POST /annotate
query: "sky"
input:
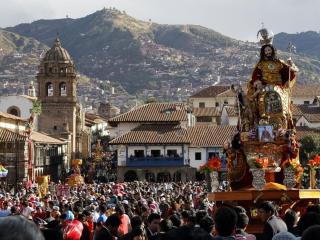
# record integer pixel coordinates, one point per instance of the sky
(239, 19)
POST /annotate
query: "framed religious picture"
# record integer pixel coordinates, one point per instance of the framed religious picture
(244, 136)
(265, 133)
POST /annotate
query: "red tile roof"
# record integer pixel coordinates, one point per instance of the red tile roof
(44, 138)
(92, 119)
(312, 118)
(210, 136)
(197, 136)
(9, 136)
(10, 116)
(231, 111)
(211, 91)
(306, 131)
(296, 110)
(206, 112)
(310, 112)
(154, 134)
(154, 112)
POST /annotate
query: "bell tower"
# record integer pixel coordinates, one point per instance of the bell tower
(57, 93)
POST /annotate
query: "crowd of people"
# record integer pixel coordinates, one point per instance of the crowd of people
(144, 211)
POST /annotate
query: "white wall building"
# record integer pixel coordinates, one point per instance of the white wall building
(19, 105)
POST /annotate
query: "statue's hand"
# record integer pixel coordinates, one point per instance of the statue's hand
(292, 65)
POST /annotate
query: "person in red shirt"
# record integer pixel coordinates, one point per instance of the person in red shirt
(125, 225)
(89, 222)
(39, 213)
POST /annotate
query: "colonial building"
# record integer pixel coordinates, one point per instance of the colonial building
(229, 116)
(211, 97)
(307, 115)
(24, 159)
(154, 152)
(151, 138)
(20, 105)
(161, 142)
(206, 142)
(61, 117)
(207, 116)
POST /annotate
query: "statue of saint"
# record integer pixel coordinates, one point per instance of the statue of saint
(269, 89)
(271, 70)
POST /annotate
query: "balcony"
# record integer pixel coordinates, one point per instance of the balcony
(155, 162)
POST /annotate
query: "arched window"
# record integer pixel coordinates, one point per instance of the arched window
(13, 110)
(63, 89)
(49, 89)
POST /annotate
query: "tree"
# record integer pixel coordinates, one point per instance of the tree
(310, 146)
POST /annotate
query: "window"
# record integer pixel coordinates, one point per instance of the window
(294, 121)
(63, 89)
(202, 105)
(49, 89)
(14, 111)
(139, 153)
(204, 119)
(217, 104)
(198, 156)
(155, 153)
(306, 102)
(213, 154)
(172, 152)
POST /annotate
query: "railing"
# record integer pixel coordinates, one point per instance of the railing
(155, 161)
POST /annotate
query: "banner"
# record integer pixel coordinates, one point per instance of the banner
(43, 184)
(3, 171)
(63, 190)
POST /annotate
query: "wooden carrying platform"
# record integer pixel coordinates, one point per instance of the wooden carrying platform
(271, 195)
(251, 198)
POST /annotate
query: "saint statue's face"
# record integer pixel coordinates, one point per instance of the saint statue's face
(268, 52)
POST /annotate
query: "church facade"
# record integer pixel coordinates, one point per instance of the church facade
(62, 117)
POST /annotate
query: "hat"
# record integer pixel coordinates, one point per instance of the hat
(284, 236)
(125, 202)
(55, 208)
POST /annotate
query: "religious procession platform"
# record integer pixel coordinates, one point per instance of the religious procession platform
(255, 195)
(250, 199)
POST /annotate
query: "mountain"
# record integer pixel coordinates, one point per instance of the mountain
(11, 42)
(307, 43)
(110, 45)
(19, 59)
